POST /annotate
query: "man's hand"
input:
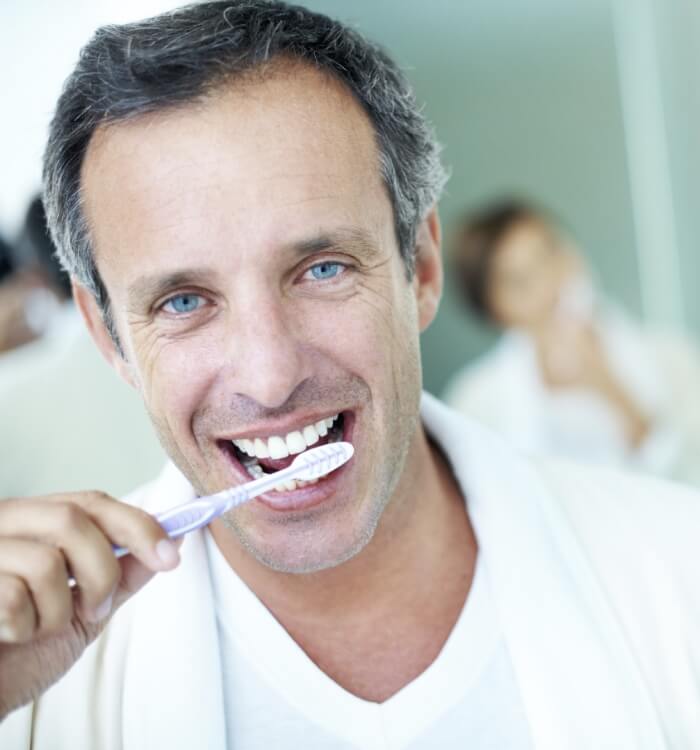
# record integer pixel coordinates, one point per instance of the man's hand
(44, 624)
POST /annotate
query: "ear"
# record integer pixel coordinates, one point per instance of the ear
(92, 315)
(428, 276)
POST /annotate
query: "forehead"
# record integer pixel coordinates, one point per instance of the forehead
(252, 162)
(523, 244)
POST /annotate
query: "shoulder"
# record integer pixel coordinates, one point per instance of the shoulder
(592, 493)
(639, 538)
(630, 525)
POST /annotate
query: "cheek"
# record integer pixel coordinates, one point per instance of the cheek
(366, 334)
(175, 375)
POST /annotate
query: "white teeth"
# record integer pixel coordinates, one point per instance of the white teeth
(310, 435)
(277, 447)
(295, 442)
(287, 486)
(261, 450)
(292, 484)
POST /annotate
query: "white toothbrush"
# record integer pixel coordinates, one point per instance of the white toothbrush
(311, 464)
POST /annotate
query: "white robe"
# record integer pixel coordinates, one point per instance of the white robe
(595, 576)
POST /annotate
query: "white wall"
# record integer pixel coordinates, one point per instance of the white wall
(39, 44)
(525, 94)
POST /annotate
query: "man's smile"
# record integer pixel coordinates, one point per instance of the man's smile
(261, 453)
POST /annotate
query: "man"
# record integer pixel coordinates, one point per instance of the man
(245, 196)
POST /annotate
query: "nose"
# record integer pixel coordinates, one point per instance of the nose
(269, 357)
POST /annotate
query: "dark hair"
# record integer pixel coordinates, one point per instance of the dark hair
(478, 237)
(6, 265)
(179, 57)
(34, 248)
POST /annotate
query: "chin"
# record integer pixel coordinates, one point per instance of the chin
(300, 548)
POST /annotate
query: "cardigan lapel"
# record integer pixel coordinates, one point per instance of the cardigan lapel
(577, 675)
(173, 696)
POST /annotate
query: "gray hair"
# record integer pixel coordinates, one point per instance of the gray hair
(178, 57)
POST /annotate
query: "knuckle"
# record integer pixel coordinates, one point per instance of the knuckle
(50, 565)
(13, 598)
(95, 499)
(68, 516)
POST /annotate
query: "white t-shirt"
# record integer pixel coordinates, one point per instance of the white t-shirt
(276, 697)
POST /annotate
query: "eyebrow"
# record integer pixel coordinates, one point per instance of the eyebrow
(356, 239)
(148, 288)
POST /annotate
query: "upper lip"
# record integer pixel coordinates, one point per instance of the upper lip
(280, 427)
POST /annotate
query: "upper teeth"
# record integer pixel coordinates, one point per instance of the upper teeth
(293, 442)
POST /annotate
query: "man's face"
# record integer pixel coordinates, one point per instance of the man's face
(248, 249)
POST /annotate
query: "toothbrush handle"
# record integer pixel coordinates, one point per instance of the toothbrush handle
(182, 519)
(178, 521)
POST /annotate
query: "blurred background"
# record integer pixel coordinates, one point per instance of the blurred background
(588, 108)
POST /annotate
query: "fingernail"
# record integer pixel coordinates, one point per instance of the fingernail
(167, 552)
(7, 634)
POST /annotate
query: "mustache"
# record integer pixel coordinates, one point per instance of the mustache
(332, 394)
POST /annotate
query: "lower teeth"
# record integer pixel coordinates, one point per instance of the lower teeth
(256, 471)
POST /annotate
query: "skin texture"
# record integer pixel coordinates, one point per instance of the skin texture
(239, 198)
(44, 625)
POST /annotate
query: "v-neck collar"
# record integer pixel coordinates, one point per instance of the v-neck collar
(394, 723)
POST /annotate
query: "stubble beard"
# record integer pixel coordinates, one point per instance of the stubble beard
(311, 547)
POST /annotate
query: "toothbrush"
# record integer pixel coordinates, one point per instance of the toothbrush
(311, 464)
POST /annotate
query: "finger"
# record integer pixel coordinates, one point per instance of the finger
(132, 528)
(42, 568)
(17, 614)
(58, 518)
(68, 528)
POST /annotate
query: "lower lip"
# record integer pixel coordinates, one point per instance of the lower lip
(312, 495)
(305, 498)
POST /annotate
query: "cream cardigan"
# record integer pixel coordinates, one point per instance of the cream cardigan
(596, 576)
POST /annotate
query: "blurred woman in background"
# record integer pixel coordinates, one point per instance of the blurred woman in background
(572, 374)
(34, 290)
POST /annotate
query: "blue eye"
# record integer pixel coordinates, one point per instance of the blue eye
(183, 303)
(327, 270)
